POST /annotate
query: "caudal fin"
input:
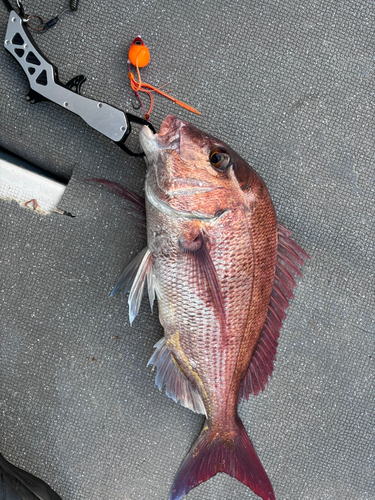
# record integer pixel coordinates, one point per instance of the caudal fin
(212, 454)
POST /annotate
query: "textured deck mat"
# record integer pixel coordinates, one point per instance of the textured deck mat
(290, 86)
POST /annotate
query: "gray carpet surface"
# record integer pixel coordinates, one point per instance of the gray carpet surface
(290, 86)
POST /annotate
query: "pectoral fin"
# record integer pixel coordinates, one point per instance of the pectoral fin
(199, 260)
(133, 280)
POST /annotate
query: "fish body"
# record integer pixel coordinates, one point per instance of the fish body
(212, 235)
(211, 345)
(223, 271)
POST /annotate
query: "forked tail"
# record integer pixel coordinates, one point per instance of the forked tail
(213, 453)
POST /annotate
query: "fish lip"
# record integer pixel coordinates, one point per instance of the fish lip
(168, 136)
(190, 191)
(147, 138)
(147, 132)
(171, 124)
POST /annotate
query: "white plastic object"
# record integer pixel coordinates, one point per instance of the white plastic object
(22, 182)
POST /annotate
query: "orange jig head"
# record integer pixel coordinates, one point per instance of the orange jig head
(139, 57)
(138, 53)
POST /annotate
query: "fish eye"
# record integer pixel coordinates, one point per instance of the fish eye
(220, 159)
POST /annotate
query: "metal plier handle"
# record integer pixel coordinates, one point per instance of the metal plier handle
(45, 85)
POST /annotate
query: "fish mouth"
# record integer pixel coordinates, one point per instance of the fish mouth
(170, 131)
(168, 136)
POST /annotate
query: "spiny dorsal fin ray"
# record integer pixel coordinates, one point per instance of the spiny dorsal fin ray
(290, 258)
(177, 387)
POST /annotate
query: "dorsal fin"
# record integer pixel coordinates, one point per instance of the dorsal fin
(290, 258)
(177, 387)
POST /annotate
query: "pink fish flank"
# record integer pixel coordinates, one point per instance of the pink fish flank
(223, 271)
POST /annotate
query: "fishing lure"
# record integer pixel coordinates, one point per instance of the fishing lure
(139, 57)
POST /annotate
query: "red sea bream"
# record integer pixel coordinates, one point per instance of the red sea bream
(223, 271)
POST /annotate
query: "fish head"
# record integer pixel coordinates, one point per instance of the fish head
(193, 174)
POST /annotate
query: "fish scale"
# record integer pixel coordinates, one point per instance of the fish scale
(200, 336)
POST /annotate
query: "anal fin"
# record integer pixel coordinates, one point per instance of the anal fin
(177, 387)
